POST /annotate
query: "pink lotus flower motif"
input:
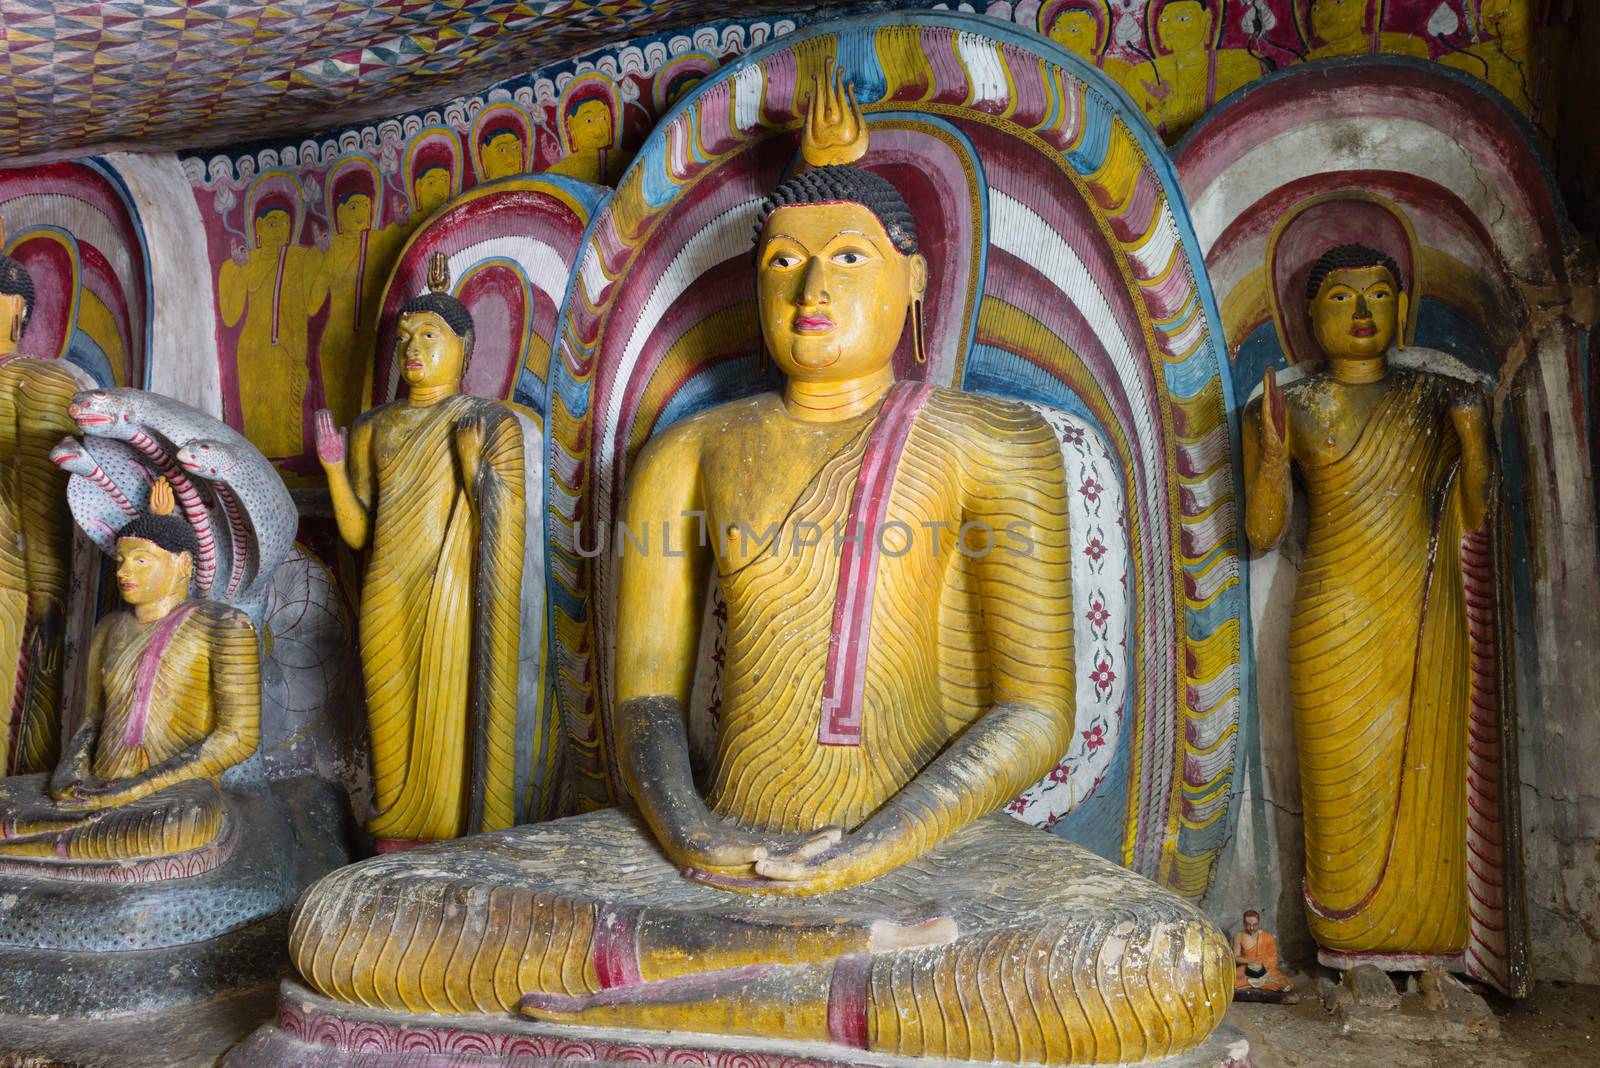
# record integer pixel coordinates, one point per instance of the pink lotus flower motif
(1097, 614)
(1091, 490)
(1062, 773)
(1102, 676)
(1072, 435)
(1019, 805)
(1094, 737)
(1095, 549)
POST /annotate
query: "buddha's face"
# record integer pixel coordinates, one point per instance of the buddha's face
(1077, 31)
(1184, 26)
(432, 189)
(431, 354)
(833, 291)
(272, 229)
(1335, 20)
(353, 214)
(1357, 313)
(589, 127)
(146, 572)
(502, 155)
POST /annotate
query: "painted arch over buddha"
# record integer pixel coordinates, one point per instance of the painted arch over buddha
(1062, 273)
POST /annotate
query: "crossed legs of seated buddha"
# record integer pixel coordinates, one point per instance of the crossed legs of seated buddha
(1016, 946)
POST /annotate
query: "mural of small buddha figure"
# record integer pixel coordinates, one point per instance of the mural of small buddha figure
(1084, 27)
(1504, 56)
(433, 168)
(270, 292)
(354, 267)
(1188, 73)
(430, 192)
(1349, 28)
(500, 147)
(35, 534)
(432, 486)
(588, 137)
(854, 780)
(173, 700)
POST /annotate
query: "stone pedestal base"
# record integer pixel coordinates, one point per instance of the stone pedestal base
(314, 1032)
(138, 937)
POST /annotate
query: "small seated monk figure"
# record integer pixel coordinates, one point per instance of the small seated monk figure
(846, 876)
(173, 701)
(1255, 963)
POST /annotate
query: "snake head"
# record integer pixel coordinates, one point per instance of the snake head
(206, 459)
(71, 456)
(102, 412)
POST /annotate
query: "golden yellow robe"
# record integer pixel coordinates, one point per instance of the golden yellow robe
(35, 552)
(350, 279)
(171, 705)
(1380, 676)
(274, 294)
(440, 615)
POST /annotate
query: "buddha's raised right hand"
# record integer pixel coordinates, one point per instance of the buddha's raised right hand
(330, 439)
(1274, 423)
(1266, 465)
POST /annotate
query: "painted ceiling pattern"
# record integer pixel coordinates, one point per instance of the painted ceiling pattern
(163, 74)
(196, 75)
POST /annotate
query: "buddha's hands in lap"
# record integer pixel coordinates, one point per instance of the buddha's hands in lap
(707, 844)
(821, 863)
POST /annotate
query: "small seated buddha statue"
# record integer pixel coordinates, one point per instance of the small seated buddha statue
(173, 701)
(846, 876)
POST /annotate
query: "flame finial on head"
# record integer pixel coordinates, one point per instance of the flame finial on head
(438, 273)
(834, 132)
(161, 499)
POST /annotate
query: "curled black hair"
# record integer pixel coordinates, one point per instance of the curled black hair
(170, 532)
(452, 311)
(1348, 258)
(834, 184)
(16, 281)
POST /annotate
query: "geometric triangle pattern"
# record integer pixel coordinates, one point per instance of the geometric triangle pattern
(167, 74)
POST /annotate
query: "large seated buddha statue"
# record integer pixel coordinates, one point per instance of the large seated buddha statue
(844, 876)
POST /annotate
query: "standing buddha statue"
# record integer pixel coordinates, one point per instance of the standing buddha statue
(35, 535)
(173, 700)
(1398, 471)
(433, 485)
(847, 875)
